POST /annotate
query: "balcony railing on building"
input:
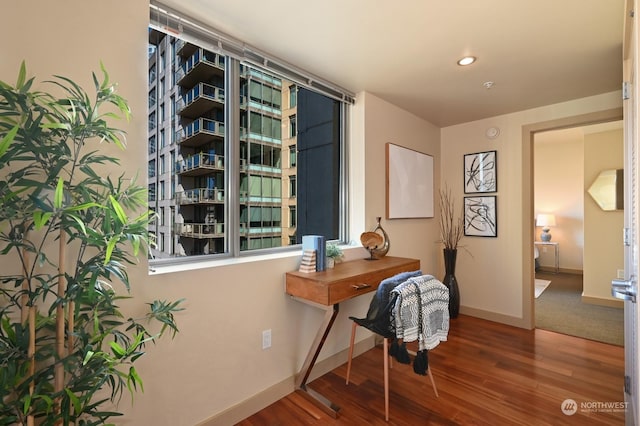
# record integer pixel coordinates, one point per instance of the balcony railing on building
(183, 48)
(264, 231)
(274, 111)
(200, 164)
(202, 65)
(199, 100)
(248, 72)
(216, 230)
(200, 196)
(244, 134)
(200, 230)
(200, 132)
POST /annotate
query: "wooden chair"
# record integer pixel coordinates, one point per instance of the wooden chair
(378, 320)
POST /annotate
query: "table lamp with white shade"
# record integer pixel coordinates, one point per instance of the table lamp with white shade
(545, 221)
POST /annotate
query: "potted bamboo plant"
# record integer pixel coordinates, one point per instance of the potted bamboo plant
(68, 230)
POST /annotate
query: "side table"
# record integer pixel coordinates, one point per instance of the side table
(556, 249)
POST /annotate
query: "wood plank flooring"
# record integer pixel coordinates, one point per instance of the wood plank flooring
(486, 373)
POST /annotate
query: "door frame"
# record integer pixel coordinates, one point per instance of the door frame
(528, 230)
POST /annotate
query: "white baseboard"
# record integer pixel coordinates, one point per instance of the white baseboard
(552, 269)
(492, 316)
(279, 390)
(612, 303)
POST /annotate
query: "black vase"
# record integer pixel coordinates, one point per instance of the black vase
(451, 282)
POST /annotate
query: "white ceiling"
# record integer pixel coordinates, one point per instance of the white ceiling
(536, 52)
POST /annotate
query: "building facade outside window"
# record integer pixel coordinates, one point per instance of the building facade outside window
(209, 156)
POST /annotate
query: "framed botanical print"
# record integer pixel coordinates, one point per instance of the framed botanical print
(481, 172)
(480, 216)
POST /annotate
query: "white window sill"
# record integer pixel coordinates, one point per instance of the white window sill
(159, 269)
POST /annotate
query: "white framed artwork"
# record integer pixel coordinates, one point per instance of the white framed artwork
(409, 183)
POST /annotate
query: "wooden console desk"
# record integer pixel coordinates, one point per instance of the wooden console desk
(325, 290)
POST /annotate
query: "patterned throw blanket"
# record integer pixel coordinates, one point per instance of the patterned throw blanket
(434, 306)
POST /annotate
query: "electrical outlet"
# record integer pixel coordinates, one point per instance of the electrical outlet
(620, 274)
(266, 339)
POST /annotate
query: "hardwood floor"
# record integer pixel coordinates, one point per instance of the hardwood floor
(486, 373)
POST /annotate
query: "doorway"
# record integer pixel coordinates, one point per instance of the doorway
(528, 236)
(575, 266)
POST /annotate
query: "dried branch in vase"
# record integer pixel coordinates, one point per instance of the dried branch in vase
(451, 226)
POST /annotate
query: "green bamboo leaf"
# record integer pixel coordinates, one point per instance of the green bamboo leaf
(80, 223)
(41, 218)
(122, 216)
(137, 355)
(124, 107)
(111, 115)
(109, 250)
(96, 324)
(135, 379)
(55, 126)
(87, 357)
(46, 399)
(7, 139)
(6, 326)
(105, 74)
(22, 75)
(59, 197)
(117, 349)
(137, 341)
(26, 405)
(83, 206)
(77, 406)
(95, 82)
(73, 114)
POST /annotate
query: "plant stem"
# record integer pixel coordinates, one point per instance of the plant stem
(25, 288)
(28, 311)
(32, 356)
(60, 323)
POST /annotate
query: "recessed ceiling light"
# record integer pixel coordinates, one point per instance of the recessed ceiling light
(467, 60)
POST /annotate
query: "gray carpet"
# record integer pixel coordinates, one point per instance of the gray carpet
(559, 308)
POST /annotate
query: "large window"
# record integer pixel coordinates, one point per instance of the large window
(226, 140)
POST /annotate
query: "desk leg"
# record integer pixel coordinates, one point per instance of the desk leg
(302, 377)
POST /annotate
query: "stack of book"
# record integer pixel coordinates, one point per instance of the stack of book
(319, 245)
(308, 263)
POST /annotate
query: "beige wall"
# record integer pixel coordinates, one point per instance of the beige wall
(216, 364)
(604, 252)
(559, 189)
(386, 123)
(494, 276)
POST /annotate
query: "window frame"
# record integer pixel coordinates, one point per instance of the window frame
(232, 65)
